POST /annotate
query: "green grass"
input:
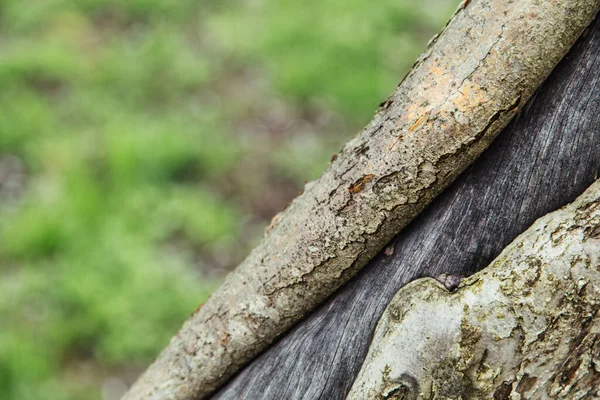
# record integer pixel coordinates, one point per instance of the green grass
(153, 140)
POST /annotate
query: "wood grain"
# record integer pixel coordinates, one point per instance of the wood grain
(542, 161)
(466, 87)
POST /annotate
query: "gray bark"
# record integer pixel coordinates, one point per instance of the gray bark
(524, 328)
(486, 63)
(541, 161)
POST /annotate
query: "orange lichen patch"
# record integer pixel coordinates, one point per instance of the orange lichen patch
(418, 122)
(437, 71)
(427, 101)
(470, 96)
(359, 185)
(441, 83)
(272, 224)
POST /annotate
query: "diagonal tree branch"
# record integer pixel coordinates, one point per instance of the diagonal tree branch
(462, 91)
(543, 160)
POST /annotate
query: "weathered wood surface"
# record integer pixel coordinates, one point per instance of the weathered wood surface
(543, 160)
(466, 87)
(526, 327)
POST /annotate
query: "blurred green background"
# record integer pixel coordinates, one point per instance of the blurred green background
(145, 145)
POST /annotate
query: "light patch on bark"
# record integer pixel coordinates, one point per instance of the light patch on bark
(526, 327)
(461, 92)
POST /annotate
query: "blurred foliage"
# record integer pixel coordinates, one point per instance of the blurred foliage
(144, 144)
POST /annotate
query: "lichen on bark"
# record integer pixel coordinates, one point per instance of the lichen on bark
(526, 327)
(464, 89)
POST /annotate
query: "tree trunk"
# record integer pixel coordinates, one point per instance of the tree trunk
(540, 162)
(524, 328)
(467, 86)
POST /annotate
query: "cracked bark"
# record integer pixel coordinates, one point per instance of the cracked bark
(526, 327)
(543, 160)
(462, 91)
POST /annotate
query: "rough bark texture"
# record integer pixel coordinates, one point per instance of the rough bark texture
(543, 160)
(463, 90)
(524, 328)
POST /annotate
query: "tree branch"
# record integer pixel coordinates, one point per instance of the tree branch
(462, 91)
(542, 161)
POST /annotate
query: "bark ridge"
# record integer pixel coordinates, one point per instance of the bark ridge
(543, 160)
(465, 88)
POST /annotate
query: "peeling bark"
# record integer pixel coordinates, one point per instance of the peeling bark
(544, 159)
(524, 328)
(461, 92)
